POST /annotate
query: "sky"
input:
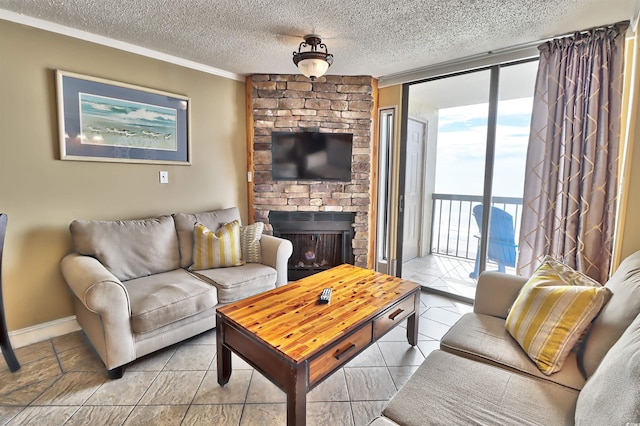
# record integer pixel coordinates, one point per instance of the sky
(462, 138)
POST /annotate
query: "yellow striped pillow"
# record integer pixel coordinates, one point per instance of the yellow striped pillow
(555, 306)
(216, 250)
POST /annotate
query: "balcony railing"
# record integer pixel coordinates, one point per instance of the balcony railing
(453, 227)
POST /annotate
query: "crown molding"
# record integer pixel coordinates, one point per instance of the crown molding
(116, 44)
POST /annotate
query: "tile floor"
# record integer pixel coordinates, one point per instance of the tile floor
(62, 382)
(445, 273)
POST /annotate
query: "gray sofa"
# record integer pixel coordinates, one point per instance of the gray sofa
(134, 294)
(480, 375)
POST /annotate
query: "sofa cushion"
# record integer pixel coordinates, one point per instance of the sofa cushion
(175, 332)
(217, 249)
(453, 390)
(616, 316)
(129, 248)
(616, 383)
(250, 242)
(484, 338)
(239, 282)
(186, 221)
(165, 298)
(552, 311)
(382, 421)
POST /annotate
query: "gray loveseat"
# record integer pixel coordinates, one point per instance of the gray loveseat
(134, 294)
(480, 375)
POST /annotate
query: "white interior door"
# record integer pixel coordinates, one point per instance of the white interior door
(414, 173)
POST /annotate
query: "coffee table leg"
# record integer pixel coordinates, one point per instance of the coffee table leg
(412, 322)
(224, 355)
(297, 396)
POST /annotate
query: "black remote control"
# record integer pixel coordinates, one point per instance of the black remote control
(325, 296)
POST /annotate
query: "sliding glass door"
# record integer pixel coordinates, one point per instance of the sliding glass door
(513, 119)
(476, 131)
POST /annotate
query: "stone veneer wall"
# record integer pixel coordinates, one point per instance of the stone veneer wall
(331, 104)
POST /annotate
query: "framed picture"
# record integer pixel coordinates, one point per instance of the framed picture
(103, 120)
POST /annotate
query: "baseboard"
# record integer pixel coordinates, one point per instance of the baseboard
(38, 333)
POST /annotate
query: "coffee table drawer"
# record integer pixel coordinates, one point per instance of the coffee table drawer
(339, 353)
(393, 316)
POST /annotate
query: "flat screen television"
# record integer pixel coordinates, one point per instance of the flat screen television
(311, 156)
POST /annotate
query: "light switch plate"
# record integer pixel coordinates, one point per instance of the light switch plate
(164, 177)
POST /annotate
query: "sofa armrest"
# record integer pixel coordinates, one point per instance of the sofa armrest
(103, 294)
(496, 292)
(276, 253)
(85, 275)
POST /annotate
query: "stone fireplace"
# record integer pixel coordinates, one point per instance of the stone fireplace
(331, 104)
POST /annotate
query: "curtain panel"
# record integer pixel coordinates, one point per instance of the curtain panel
(571, 175)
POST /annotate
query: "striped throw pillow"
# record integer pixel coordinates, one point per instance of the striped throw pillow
(554, 308)
(216, 249)
(250, 242)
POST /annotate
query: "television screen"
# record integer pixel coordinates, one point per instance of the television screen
(311, 156)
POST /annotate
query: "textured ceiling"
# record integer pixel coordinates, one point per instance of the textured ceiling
(367, 37)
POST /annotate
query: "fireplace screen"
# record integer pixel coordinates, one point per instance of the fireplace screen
(315, 250)
(321, 240)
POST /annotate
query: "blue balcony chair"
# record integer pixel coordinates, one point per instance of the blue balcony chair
(502, 245)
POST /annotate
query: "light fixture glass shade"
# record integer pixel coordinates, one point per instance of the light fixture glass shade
(313, 68)
(315, 61)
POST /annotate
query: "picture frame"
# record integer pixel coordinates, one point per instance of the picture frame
(105, 120)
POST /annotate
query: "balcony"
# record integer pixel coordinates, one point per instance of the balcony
(454, 237)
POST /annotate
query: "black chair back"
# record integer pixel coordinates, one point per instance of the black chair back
(5, 343)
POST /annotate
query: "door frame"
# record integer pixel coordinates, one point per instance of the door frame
(387, 265)
(402, 164)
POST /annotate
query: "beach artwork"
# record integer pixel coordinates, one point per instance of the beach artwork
(106, 120)
(121, 123)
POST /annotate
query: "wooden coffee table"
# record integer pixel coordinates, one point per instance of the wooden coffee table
(297, 343)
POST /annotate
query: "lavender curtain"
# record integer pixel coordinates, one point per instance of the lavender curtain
(571, 173)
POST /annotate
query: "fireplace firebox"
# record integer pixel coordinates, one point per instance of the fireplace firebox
(321, 240)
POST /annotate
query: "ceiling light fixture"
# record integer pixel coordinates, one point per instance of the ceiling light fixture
(312, 63)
